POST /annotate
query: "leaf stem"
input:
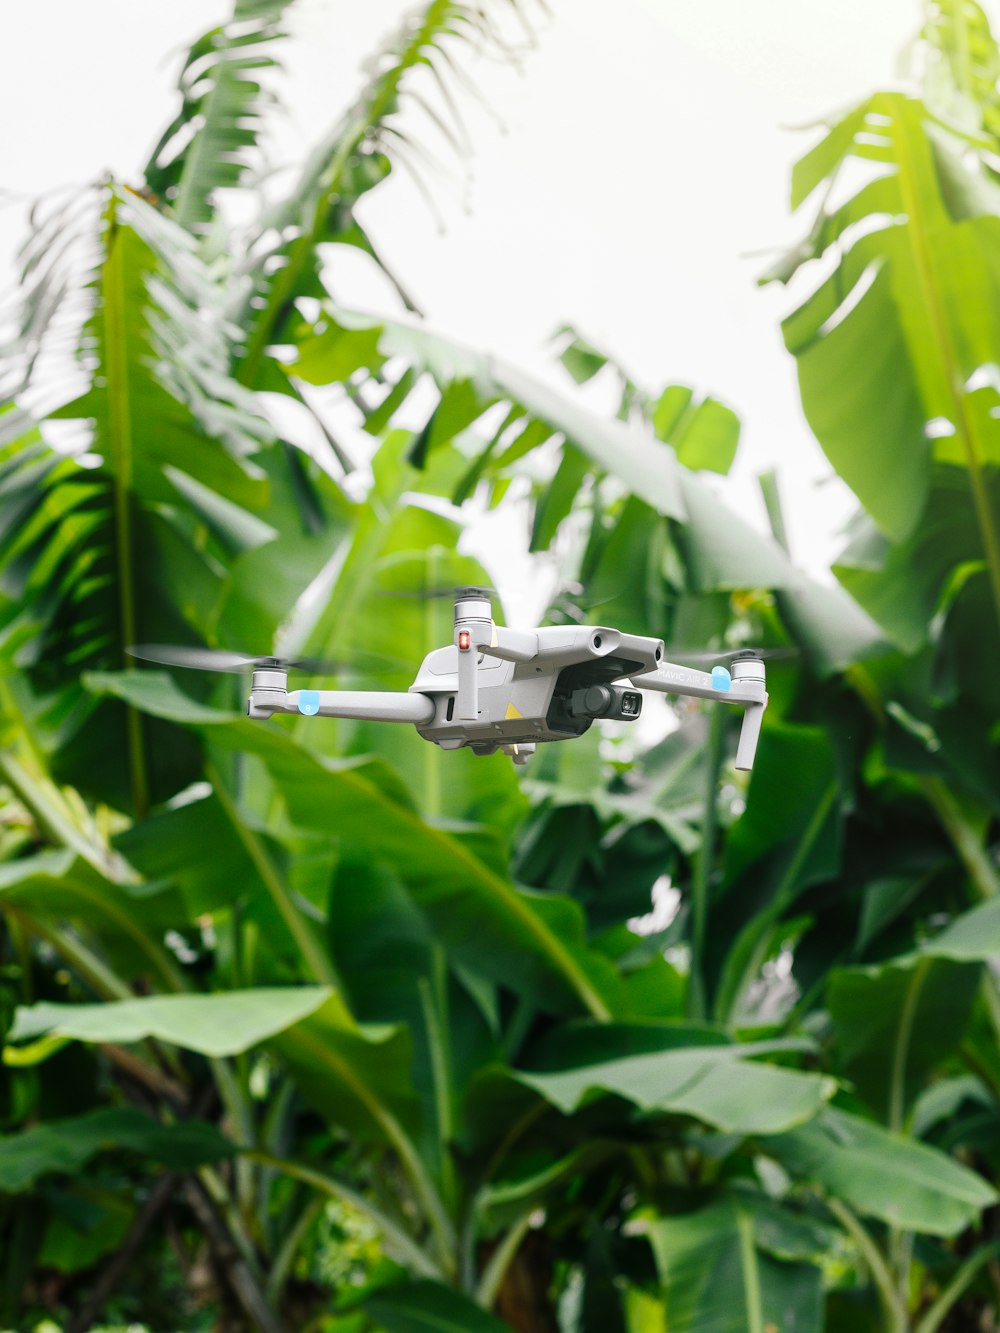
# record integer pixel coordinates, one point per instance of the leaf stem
(963, 423)
(901, 1047)
(779, 900)
(896, 1320)
(399, 1240)
(91, 968)
(319, 962)
(396, 1135)
(433, 1003)
(114, 308)
(500, 1260)
(289, 1247)
(701, 881)
(931, 1321)
(751, 1274)
(972, 854)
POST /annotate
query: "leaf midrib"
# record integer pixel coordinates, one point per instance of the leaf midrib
(965, 426)
(113, 314)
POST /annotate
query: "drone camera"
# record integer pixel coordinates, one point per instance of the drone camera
(606, 701)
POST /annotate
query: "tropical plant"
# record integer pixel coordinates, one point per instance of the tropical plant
(379, 1011)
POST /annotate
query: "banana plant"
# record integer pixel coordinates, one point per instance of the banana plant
(347, 986)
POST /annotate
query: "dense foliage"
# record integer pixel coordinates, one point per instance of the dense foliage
(317, 1027)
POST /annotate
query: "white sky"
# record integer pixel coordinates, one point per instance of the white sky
(637, 188)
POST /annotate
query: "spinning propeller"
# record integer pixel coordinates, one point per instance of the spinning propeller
(451, 594)
(733, 654)
(218, 659)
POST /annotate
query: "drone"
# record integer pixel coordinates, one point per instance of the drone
(494, 689)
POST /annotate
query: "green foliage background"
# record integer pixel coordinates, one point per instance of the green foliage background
(317, 1027)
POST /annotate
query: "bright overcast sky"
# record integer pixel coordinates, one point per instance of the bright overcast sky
(637, 188)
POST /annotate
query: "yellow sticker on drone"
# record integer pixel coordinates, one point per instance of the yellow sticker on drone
(512, 712)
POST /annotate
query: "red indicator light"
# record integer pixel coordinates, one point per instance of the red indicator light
(463, 640)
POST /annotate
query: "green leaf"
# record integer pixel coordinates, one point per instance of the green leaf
(904, 1184)
(429, 1307)
(222, 1024)
(85, 1222)
(160, 847)
(558, 497)
(209, 145)
(828, 154)
(723, 550)
(353, 158)
(581, 358)
(720, 1273)
(647, 467)
(891, 347)
(489, 924)
(670, 409)
(972, 937)
(842, 378)
(235, 528)
(66, 1146)
(721, 1085)
(130, 917)
(896, 1021)
(358, 1076)
(705, 436)
(788, 839)
(106, 556)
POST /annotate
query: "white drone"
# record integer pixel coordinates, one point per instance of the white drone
(495, 689)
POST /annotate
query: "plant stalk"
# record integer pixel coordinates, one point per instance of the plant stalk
(113, 313)
(895, 1311)
(400, 1240)
(701, 883)
(500, 1260)
(318, 960)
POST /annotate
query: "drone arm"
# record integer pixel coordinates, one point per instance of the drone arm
(750, 692)
(672, 679)
(365, 705)
(511, 645)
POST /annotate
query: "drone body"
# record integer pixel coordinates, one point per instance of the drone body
(498, 689)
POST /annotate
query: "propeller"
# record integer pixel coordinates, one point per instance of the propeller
(731, 654)
(218, 659)
(452, 594)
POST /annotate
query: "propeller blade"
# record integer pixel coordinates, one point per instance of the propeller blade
(199, 659)
(218, 659)
(730, 654)
(431, 594)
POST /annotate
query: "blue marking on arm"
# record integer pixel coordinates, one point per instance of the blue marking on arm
(309, 702)
(721, 679)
